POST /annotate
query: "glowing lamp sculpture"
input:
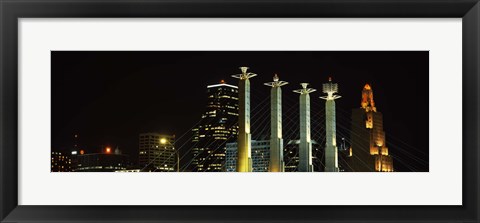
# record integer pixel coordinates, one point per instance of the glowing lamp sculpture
(331, 150)
(244, 162)
(305, 150)
(276, 141)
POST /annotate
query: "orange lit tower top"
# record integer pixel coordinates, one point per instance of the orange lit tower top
(367, 99)
(368, 140)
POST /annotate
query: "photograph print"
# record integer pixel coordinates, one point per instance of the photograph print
(240, 111)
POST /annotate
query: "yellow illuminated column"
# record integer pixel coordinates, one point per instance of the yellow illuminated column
(244, 158)
(331, 151)
(305, 150)
(276, 141)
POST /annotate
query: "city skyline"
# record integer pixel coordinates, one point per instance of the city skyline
(115, 83)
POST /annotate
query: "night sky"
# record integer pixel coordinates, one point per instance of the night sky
(109, 98)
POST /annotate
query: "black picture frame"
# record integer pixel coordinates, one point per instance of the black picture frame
(12, 10)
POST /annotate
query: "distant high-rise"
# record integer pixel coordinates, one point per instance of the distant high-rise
(157, 152)
(260, 156)
(217, 127)
(369, 151)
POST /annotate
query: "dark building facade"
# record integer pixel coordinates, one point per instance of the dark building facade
(343, 156)
(369, 152)
(106, 161)
(291, 158)
(219, 125)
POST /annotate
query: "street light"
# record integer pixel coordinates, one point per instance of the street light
(163, 141)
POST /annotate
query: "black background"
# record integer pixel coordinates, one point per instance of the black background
(108, 98)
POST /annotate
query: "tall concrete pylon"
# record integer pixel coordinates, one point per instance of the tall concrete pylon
(244, 158)
(331, 151)
(276, 141)
(305, 150)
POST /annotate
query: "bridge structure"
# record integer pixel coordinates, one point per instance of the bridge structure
(266, 119)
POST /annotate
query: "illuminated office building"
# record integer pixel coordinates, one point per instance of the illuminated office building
(217, 127)
(157, 152)
(260, 156)
(60, 162)
(369, 151)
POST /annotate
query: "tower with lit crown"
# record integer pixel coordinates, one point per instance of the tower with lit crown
(331, 151)
(217, 127)
(369, 151)
(244, 163)
(305, 150)
(276, 141)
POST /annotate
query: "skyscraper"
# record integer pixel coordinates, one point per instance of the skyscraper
(217, 127)
(369, 151)
(157, 152)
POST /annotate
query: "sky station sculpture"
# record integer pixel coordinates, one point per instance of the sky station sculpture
(305, 150)
(331, 151)
(276, 141)
(244, 162)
